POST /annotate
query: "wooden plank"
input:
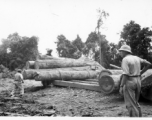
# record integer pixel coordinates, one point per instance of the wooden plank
(114, 66)
(77, 85)
(94, 80)
(88, 82)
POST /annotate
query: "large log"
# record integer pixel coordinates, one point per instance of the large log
(115, 72)
(49, 64)
(30, 73)
(110, 83)
(65, 75)
(46, 57)
(30, 64)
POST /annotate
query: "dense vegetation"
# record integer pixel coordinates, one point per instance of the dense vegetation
(16, 50)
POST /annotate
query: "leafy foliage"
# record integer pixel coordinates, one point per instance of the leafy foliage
(102, 15)
(93, 42)
(68, 49)
(137, 38)
(21, 49)
(113, 55)
(49, 52)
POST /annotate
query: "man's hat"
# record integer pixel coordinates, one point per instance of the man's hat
(125, 48)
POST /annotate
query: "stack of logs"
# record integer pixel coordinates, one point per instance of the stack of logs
(81, 73)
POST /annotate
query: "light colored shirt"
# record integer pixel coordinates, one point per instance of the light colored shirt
(18, 77)
(131, 65)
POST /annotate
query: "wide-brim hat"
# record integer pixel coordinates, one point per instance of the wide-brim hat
(125, 48)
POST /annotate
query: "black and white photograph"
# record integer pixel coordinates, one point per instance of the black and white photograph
(75, 58)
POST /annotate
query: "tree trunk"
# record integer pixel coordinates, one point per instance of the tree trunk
(30, 73)
(49, 64)
(65, 75)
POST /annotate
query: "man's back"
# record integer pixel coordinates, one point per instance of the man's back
(18, 77)
(131, 65)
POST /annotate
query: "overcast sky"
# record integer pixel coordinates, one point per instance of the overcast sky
(47, 19)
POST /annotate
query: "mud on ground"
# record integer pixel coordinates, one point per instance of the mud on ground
(61, 101)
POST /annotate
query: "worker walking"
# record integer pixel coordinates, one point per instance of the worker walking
(130, 85)
(18, 89)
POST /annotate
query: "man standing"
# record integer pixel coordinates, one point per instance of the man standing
(130, 85)
(18, 90)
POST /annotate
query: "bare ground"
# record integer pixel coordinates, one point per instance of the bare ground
(61, 101)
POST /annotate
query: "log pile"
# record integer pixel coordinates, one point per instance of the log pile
(80, 73)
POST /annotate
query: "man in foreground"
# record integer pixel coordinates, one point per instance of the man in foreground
(130, 85)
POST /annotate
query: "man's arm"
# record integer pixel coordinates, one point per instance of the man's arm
(21, 78)
(123, 80)
(146, 66)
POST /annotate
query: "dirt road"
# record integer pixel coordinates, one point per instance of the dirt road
(61, 101)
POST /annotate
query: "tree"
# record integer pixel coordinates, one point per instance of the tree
(102, 14)
(137, 38)
(69, 49)
(49, 52)
(21, 49)
(78, 43)
(79, 46)
(113, 54)
(93, 43)
(65, 47)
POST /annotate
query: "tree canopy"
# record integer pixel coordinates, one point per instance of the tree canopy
(137, 38)
(69, 49)
(16, 50)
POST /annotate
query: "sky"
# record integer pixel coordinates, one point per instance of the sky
(47, 19)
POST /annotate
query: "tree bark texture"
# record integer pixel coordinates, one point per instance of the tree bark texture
(30, 73)
(49, 64)
(65, 75)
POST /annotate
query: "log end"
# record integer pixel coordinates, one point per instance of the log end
(107, 84)
(105, 72)
(104, 81)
